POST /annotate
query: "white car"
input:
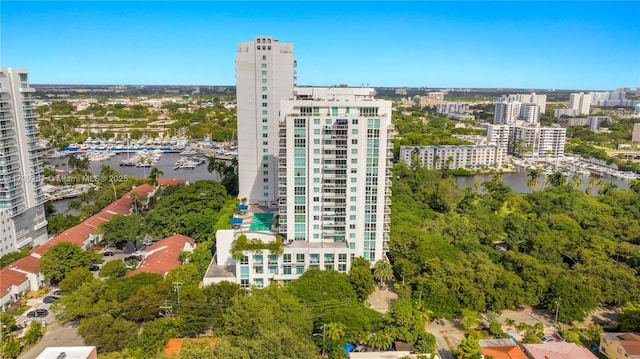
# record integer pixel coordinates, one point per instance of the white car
(547, 339)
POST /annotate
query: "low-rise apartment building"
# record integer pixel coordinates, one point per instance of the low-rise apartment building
(455, 157)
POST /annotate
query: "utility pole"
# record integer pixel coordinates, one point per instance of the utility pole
(557, 309)
(166, 307)
(177, 289)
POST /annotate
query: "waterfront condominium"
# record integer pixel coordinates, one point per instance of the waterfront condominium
(334, 169)
(21, 196)
(265, 74)
(322, 155)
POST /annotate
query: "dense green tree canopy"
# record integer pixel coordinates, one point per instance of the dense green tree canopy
(496, 249)
(64, 257)
(190, 210)
(122, 228)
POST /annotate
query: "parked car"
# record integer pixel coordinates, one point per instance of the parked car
(133, 258)
(49, 299)
(38, 313)
(57, 293)
(547, 339)
(94, 268)
(108, 254)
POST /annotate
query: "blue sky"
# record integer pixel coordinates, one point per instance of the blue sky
(549, 45)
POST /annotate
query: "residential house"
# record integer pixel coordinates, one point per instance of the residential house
(501, 349)
(164, 255)
(557, 350)
(620, 345)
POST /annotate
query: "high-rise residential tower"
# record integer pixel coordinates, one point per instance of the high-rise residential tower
(21, 181)
(323, 155)
(335, 169)
(506, 113)
(265, 74)
(581, 102)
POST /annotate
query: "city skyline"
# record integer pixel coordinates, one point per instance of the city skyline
(553, 45)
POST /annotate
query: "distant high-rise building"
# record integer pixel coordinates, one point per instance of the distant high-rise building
(532, 98)
(528, 140)
(529, 113)
(21, 196)
(265, 74)
(451, 107)
(506, 113)
(580, 102)
(472, 157)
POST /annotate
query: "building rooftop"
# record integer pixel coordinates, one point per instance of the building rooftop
(163, 255)
(630, 342)
(558, 350)
(175, 344)
(218, 271)
(500, 342)
(69, 353)
(504, 352)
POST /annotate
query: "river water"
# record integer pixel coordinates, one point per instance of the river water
(517, 181)
(165, 164)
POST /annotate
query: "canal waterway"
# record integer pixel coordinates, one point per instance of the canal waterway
(517, 180)
(165, 164)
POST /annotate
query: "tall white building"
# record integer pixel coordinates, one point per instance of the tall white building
(335, 169)
(324, 155)
(529, 140)
(455, 157)
(451, 107)
(529, 113)
(580, 102)
(265, 74)
(506, 113)
(532, 98)
(21, 196)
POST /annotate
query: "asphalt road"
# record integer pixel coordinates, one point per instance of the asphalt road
(442, 329)
(57, 335)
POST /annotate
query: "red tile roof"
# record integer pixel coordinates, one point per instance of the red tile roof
(29, 264)
(631, 343)
(10, 278)
(163, 255)
(558, 350)
(506, 352)
(77, 234)
(174, 344)
(171, 182)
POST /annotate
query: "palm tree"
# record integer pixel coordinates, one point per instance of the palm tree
(154, 174)
(219, 167)
(382, 272)
(381, 339)
(534, 177)
(576, 180)
(334, 331)
(509, 322)
(555, 179)
(588, 191)
(634, 185)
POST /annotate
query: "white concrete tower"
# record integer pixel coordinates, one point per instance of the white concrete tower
(21, 181)
(265, 74)
(335, 169)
